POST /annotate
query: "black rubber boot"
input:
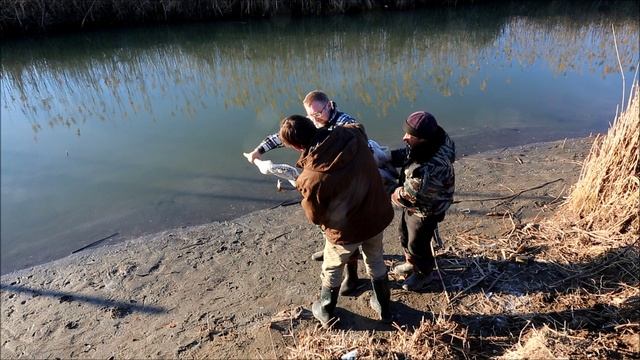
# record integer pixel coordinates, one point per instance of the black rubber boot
(380, 299)
(350, 282)
(322, 309)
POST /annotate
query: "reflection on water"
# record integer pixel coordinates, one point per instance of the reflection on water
(377, 60)
(142, 130)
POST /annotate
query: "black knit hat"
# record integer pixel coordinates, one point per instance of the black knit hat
(420, 124)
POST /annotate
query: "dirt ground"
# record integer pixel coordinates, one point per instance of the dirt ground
(241, 288)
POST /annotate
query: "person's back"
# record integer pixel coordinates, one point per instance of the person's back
(343, 193)
(341, 187)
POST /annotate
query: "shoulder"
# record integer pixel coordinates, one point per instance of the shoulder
(446, 155)
(448, 149)
(357, 130)
(344, 118)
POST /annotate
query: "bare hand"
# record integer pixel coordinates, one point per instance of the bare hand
(252, 155)
(396, 198)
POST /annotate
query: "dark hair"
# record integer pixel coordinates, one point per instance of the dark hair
(297, 131)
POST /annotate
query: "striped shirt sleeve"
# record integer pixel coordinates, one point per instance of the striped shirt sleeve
(269, 143)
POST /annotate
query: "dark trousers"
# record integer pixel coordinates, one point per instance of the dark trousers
(415, 237)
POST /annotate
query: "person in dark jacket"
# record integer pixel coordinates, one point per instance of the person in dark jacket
(427, 183)
(343, 193)
(324, 113)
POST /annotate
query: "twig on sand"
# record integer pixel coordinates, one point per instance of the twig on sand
(510, 197)
(597, 269)
(95, 243)
(495, 281)
(273, 347)
(444, 287)
(279, 236)
(470, 286)
(285, 203)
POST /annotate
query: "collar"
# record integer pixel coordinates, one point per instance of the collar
(333, 117)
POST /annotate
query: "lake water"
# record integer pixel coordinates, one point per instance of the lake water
(139, 130)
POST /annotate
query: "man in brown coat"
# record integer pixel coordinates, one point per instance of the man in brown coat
(343, 193)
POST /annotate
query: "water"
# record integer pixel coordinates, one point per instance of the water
(140, 130)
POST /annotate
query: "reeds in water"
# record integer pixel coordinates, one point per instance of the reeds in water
(34, 16)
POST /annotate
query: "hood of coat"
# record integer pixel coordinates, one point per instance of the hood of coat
(333, 148)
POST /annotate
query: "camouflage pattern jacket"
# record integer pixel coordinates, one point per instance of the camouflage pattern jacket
(427, 181)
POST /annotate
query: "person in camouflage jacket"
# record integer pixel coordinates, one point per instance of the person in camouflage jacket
(427, 183)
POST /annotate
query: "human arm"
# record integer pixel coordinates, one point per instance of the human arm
(269, 143)
(399, 157)
(344, 119)
(399, 198)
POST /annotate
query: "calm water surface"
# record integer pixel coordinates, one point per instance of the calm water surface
(134, 131)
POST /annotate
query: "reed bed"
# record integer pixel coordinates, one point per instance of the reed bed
(33, 16)
(594, 237)
(606, 196)
(433, 339)
(564, 287)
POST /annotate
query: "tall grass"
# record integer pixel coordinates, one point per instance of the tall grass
(592, 310)
(32, 16)
(606, 198)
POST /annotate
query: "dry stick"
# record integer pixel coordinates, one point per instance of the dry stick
(87, 14)
(469, 287)
(279, 236)
(446, 294)
(285, 203)
(615, 42)
(273, 347)
(617, 327)
(522, 331)
(198, 243)
(599, 268)
(511, 196)
(523, 191)
(565, 335)
(95, 242)
(634, 84)
(495, 281)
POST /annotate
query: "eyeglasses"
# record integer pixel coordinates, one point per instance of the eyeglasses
(319, 113)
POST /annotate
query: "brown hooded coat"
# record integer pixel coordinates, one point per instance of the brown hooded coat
(341, 188)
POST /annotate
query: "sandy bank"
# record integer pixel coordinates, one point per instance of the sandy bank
(218, 290)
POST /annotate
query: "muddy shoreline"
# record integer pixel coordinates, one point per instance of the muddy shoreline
(173, 211)
(218, 290)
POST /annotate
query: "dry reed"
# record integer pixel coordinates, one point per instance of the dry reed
(605, 198)
(437, 339)
(560, 288)
(33, 16)
(595, 235)
(601, 212)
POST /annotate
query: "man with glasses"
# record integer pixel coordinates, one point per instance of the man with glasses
(320, 110)
(324, 114)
